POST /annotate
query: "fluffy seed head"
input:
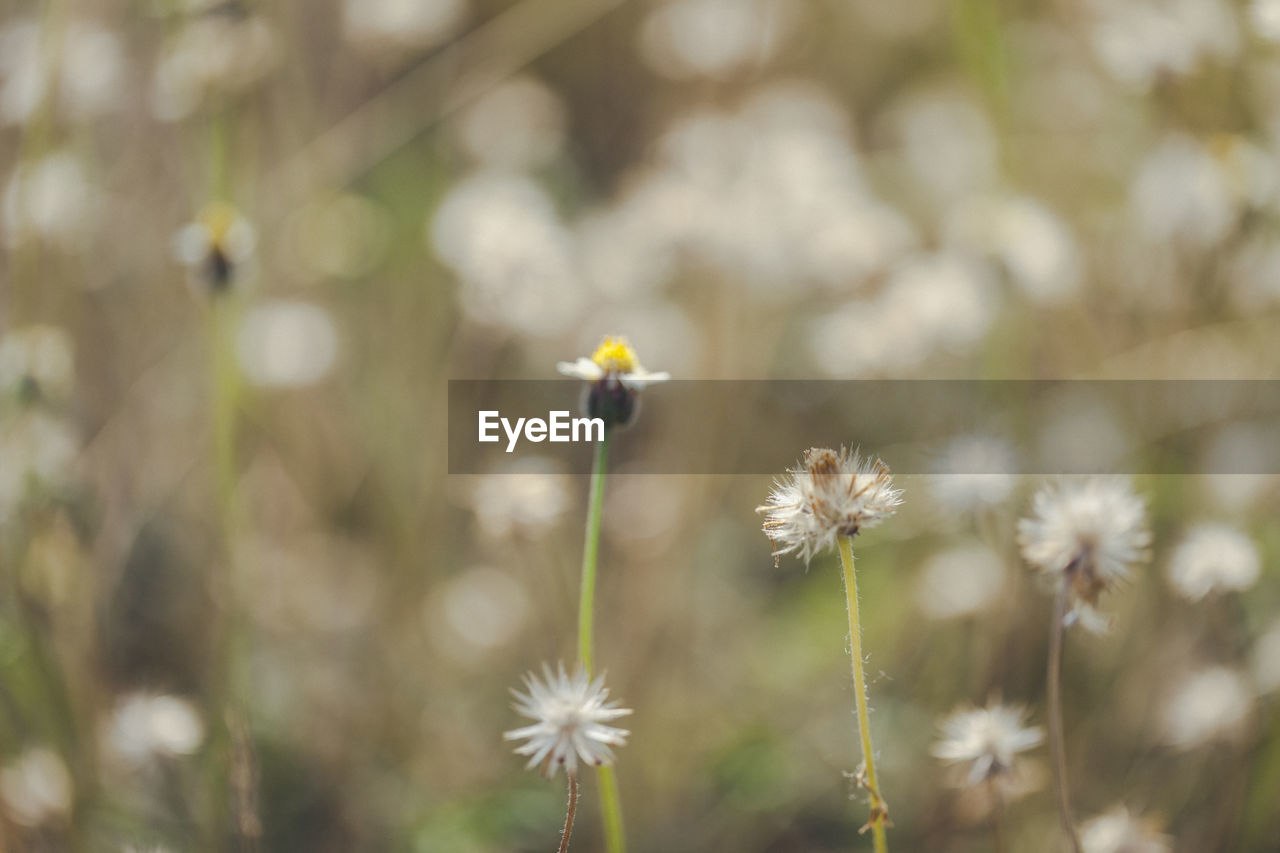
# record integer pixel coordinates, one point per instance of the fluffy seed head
(570, 714)
(987, 740)
(1089, 533)
(1214, 557)
(1118, 831)
(832, 494)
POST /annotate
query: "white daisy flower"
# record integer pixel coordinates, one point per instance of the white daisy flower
(1117, 831)
(1214, 557)
(987, 740)
(832, 494)
(1089, 532)
(614, 358)
(217, 248)
(571, 714)
(616, 379)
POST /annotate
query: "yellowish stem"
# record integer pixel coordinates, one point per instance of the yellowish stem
(879, 808)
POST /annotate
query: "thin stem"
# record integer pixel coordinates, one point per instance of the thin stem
(611, 811)
(610, 803)
(1056, 748)
(570, 812)
(879, 808)
(590, 548)
(997, 817)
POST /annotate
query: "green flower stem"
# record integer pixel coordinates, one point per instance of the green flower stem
(610, 802)
(590, 549)
(879, 809)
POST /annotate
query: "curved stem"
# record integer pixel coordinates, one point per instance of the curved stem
(1054, 689)
(569, 813)
(879, 808)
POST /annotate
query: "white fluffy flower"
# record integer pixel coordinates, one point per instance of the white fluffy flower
(832, 494)
(1087, 532)
(1119, 832)
(571, 714)
(1214, 557)
(987, 740)
(1212, 704)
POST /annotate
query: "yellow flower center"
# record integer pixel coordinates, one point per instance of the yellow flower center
(615, 355)
(218, 218)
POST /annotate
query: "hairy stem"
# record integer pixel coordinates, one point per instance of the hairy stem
(1054, 689)
(879, 808)
(569, 813)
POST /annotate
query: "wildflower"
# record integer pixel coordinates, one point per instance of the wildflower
(1208, 705)
(987, 740)
(616, 378)
(36, 787)
(832, 494)
(36, 362)
(146, 726)
(1213, 557)
(1088, 533)
(217, 247)
(571, 714)
(1119, 832)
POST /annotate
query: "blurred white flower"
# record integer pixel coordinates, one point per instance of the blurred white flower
(959, 581)
(714, 38)
(1214, 557)
(987, 740)
(948, 144)
(378, 24)
(1118, 831)
(286, 343)
(1030, 241)
(50, 199)
(502, 236)
(1086, 534)
(571, 715)
(931, 303)
(36, 787)
(771, 196)
(36, 450)
(518, 124)
(1181, 194)
(37, 359)
(217, 52)
(87, 72)
(218, 248)
(476, 612)
(525, 498)
(972, 472)
(1266, 660)
(1138, 42)
(832, 494)
(1265, 17)
(144, 726)
(1211, 704)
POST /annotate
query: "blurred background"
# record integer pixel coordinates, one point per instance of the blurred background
(242, 599)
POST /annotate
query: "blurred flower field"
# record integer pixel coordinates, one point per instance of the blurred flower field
(246, 605)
